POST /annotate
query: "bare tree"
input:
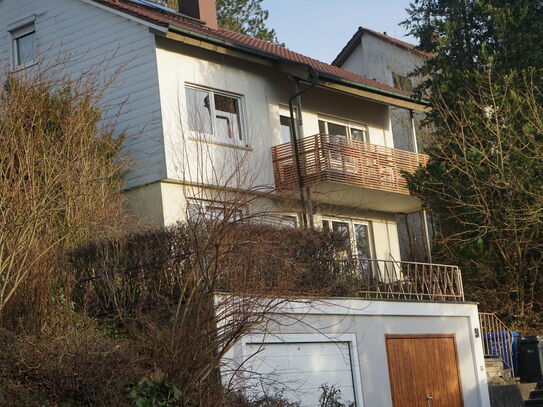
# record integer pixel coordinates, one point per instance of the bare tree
(60, 181)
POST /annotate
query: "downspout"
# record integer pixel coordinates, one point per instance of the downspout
(293, 131)
(423, 213)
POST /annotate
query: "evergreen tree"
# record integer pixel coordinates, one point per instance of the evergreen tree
(483, 181)
(246, 17)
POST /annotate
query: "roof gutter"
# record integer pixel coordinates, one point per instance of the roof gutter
(373, 89)
(276, 58)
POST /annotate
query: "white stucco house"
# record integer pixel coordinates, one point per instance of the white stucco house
(208, 115)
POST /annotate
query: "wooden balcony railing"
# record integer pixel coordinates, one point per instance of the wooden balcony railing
(326, 158)
(403, 280)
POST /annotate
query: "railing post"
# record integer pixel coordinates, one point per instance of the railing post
(460, 284)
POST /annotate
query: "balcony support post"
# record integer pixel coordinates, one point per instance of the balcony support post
(423, 212)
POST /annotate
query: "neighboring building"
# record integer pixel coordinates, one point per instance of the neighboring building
(394, 62)
(208, 113)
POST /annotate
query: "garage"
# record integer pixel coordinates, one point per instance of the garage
(378, 353)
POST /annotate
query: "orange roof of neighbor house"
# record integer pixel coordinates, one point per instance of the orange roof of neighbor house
(168, 18)
(355, 40)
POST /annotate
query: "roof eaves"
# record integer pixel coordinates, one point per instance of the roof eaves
(266, 55)
(348, 48)
(397, 42)
(373, 89)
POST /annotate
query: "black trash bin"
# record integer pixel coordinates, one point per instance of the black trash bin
(531, 359)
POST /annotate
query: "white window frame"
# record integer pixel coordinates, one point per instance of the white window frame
(213, 137)
(18, 30)
(203, 206)
(352, 236)
(349, 124)
(290, 216)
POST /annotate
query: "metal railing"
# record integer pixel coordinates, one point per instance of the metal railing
(328, 158)
(497, 339)
(404, 280)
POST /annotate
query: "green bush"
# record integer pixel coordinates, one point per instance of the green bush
(154, 394)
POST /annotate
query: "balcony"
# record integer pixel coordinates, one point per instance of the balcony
(348, 172)
(403, 280)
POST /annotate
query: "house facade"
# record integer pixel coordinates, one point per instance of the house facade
(221, 124)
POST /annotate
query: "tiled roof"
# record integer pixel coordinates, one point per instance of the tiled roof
(250, 44)
(355, 40)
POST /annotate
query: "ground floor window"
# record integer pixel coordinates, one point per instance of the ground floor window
(199, 210)
(355, 237)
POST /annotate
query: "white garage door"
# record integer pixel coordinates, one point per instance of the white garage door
(298, 370)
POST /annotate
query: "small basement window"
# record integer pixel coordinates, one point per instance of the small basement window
(198, 211)
(24, 46)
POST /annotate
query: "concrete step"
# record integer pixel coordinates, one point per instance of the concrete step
(493, 361)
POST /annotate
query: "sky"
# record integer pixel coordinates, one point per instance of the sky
(321, 28)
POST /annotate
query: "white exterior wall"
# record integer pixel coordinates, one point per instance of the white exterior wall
(265, 95)
(98, 39)
(263, 92)
(364, 324)
(377, 59)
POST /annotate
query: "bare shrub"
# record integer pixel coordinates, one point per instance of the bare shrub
(163, 288)
(80, 368)
(60, 182)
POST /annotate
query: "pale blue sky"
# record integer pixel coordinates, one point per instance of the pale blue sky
(321, 28)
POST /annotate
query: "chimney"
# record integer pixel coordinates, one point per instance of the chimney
(205, 10)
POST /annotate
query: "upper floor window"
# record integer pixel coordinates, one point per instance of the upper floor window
(214, 114)
(355, 131)
(286, 125)
(24, 46)
(402, 82)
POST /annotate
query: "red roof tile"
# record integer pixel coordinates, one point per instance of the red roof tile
(164, 18)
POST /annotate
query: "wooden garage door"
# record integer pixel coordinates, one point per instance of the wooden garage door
(423, 371)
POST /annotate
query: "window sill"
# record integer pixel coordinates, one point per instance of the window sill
(24, 66)
(217, 143)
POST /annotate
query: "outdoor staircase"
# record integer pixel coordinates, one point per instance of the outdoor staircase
(496, 374)
(536, 397)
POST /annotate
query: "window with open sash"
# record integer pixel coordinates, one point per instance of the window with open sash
(214, 115)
